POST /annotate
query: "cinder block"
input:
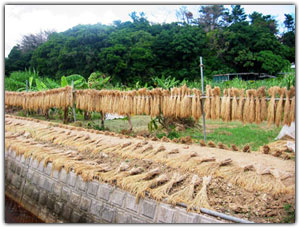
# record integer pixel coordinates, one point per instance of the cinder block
(104, 191)
(81, 185)
(96, 207)
(108, 214)
(43, 197)
(24, 172)
(50, 202)
(58, 207)
(41, 166)
(57, 190)
(29, 175)
(148, 208)
(55, 174)
(35, 194)
(136, 220)
(93, 188)
(63, 176)
(184, 217)
(18, 169)
(72, 179)
(165, 213)
(85, 203)
(13, 167)
(65, 193)
(66, 212)
(117, 197)
(35, 178)
(48, 168)
(48, 184)
(8, 176)
(122, 217)
(41, 181)
(28, 189)
(75, 217)
(130, 203)
(22, 160)
(16, 181)
(75, 198)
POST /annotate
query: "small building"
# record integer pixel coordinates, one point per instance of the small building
(243, 76)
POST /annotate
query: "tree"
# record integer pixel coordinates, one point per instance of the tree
(289, 22)
(264, 22)
(184, 16)
(238, 14)
(211, 16)
(32, 41)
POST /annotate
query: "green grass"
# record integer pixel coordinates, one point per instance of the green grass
(217, 131)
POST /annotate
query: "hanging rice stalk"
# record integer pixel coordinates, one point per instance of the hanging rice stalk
(279, 107)
(272, 105)
(293, 105)
(234, 111)
(186, 105)
(207, 103)
(246, 109)
(196, 104)
(223, 103)
(287, 106)
(252, 106)
(228, 106)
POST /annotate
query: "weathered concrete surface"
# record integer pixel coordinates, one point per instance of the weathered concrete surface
(62, 197)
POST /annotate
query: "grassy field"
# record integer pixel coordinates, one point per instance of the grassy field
(217, 131)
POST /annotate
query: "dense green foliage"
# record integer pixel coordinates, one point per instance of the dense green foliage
(134, 52)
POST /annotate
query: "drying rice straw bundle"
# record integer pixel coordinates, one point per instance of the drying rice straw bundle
(240, 105)
(228, 106)
(258, 105)
(194, 104)
(264, 106)
(186, 194)
(252, 106)
(165, 101)
(234, 112)
(131, 183)
(186, 105)
(246, 109)
(223, 103)
(147, 104)
(218, 102)
(213, 104)
(156, 102)
(163, 191)
(181, 92)
(293, 105)
(201, 199)
(279, 107)
(174, 97)
(287, 106)
(272, 105)
(207, 104)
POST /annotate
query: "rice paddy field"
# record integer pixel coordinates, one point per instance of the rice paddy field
(254, 184)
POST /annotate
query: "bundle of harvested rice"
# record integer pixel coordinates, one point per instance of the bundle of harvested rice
(196, 104)
(279, 107)
(293, 105)
(186, 105)
(213, 104)
(287, 106)
(246, 108)
(252, 106)
(207, 103)
(211, 144)
(258, 94)
(234, 111)
(247, 149)
(179, 99)
(201, 199)
(227, 114)
(234, 147)
(163, 191)
(222, 146)
(264, 107)
(172, 106)
(272, 104)
(186, 194)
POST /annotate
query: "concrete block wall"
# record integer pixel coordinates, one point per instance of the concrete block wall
(63, 197)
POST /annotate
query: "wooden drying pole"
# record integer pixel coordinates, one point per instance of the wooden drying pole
(202, 99)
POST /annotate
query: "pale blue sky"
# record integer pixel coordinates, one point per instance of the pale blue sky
(26, 19)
